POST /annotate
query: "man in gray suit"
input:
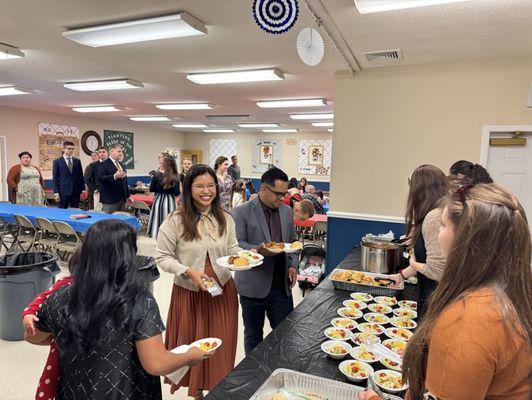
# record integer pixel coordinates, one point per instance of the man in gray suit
(266, 290)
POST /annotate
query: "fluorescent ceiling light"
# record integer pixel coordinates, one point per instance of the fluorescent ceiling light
(267, 125)
(374, 6)
(258, 75)
(292, 103)
(218, 130)
(112, 84)
(312, 116)
(189, 126)
(184, 106)
(90, 109)
(7, 52)
(227, 117)
(149, 119)
(140, 30)
(323, 124)
(280, 130)
(330, 130)
(14, 90)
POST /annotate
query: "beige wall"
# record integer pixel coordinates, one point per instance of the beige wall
(289, 153)
(389, 121)
(20, 127)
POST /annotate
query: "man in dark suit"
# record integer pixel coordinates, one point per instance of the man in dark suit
(68, 178)
(112, 181)
(266, 289)
(90, 176)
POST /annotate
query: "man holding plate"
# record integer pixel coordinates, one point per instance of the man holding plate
(266, 290)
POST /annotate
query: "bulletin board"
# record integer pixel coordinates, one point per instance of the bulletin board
(315, 157)
(126, 140)
(51, 138)
(265, 154)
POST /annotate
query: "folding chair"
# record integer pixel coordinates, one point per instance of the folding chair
(8, 234)
(142, 212)
(319, 232)
(122, 213)
(26, 235)
(47, 235)
(68, 241)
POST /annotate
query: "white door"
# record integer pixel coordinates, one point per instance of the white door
(512, 167)
(3, 169)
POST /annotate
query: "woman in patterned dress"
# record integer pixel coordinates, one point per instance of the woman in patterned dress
(225, 182)
(25, 181)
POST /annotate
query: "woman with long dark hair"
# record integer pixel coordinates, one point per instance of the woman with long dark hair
(225, 181)
(428, 184)
(106, 326)
(470, 172)
(475, 340)
(238, 193)
(165, 185)
(190, 240)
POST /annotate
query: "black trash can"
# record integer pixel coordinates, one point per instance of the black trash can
(147, 271)
(22, 277)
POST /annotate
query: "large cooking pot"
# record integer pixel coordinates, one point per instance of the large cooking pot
(381, 257)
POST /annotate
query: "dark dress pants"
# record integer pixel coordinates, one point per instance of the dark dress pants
(276, 306)
(69, 201)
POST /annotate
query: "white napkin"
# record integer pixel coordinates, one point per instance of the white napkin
(176, 376)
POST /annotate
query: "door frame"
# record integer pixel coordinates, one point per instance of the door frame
(487, 130)
(3, 167)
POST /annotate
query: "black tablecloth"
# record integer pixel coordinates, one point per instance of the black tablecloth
(296, 343)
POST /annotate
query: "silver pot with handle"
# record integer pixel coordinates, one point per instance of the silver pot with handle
(381, 257)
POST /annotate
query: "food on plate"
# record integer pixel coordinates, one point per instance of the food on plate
(337, 333)
(359, 305)
(208, 283)
(405, 312)
(345, 323)
(296, 245)
(356, 369)
(250, 256)
(408, 304)
(390, 364)
(362, 337)
(398, 333)
(403, 322)
(389, 301)
(376, 318)
(231, 260)
(207, 346)
(337, 349)
(396, 345)
(388, 379)
(362, 353)
(274, 246)
(347, 312)
(379, 308)
(241, 262)
(358, 277)
(368, 327)
(361, 296)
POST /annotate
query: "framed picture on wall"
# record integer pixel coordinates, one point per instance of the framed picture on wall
(266, 154)
(315, 155)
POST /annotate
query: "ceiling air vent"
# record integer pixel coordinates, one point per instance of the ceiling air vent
(388, 56)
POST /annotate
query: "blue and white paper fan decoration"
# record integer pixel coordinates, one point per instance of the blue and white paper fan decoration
(276, 16)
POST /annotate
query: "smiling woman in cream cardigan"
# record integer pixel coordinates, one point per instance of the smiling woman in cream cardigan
(190, 241)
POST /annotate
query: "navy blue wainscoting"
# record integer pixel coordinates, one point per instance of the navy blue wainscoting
(324, 186)
(344, 233)
(131, 181)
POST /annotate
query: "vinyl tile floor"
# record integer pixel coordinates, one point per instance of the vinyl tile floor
(21, 363)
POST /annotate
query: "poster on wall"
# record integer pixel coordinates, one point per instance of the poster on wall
(126, 140)
(315, 157)
(265, 153)
(51, 138)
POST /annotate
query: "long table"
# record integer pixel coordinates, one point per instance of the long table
(7, 212)
(296, 343)
(309, 223)
(146, 198)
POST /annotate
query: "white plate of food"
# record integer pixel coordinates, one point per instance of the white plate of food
(389, 301)
(336, 349)
(362, 353)
(351, 313)
(403, 322)
(396, 345)
(355, 371)
(345, 323)
(241, 262)
(275, 247)
(408, 304)
(376, 318)
(358, 305)
(380, 308)
(359, 338)
(405, 313)
(390, 364)
(208, 345)
(398, 333)
(371, 328)
(361, 296)
(335, 333)
(389, 381)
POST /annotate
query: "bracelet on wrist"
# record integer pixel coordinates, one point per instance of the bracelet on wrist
(402, 276)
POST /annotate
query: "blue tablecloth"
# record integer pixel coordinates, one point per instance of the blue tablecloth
(58, 214)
